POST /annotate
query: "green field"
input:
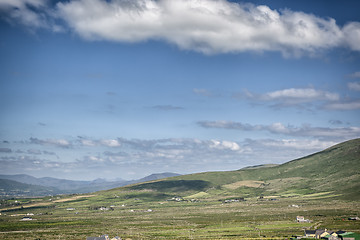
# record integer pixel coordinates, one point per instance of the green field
(264, 203)
(205, 219)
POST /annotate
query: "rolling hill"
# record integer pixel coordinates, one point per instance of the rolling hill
(334, 171)
(26, 185)
(10, 188)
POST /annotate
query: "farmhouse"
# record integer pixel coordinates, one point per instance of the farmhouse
(301, 219)
(310, 233)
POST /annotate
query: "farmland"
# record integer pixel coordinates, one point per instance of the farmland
(138, 218)
(255, 203)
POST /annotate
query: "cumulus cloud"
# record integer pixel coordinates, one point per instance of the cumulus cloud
(207, 26)
(279, 128)
(352, 35)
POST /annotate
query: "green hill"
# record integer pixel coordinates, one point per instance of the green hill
(333, 171)
(10, 188)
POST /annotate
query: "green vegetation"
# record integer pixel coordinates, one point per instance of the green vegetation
(323, 187)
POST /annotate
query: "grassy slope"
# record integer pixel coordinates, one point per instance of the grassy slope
(335, 169)
(13, 188)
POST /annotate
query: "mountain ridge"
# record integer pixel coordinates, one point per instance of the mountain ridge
(26, 185)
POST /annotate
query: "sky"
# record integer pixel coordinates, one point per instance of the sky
(126, 88)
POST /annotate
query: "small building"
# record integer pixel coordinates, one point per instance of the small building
(103, 237)
(26, 219)
(310, 233)
(301, 219)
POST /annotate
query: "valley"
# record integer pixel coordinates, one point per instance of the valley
(251, 203)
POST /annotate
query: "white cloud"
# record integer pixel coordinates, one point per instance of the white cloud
(23, 11)
(355, 86)
(303, 98)
(55, 142)
(345, 105)
(352, 35)
(308, 145)
(208, 26)
(224, 145)
(355, 75)
(279, 128)
(293, 96)
(160, 155)
(110, 143)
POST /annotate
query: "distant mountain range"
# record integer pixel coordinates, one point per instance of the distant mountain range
(26, 185)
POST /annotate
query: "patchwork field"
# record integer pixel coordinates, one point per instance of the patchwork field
(130, 216)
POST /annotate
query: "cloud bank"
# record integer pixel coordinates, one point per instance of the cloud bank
(279, 128)
(206, 26)
(304, 98)
(134, 158)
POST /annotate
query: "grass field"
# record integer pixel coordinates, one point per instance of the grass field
(139, 218)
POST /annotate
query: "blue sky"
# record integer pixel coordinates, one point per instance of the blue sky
(122, 89)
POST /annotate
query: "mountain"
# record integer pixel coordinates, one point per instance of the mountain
(9, 188)
(27, 185)
(157, 176)
(333, 171)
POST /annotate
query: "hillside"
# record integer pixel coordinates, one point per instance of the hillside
(10, 188)
(334, 170)
(26, 185)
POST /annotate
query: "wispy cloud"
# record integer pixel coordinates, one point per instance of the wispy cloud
(354, 75)
(206, 26)
(53, 142)
(167, 107)
(290, 96)
(98, 142)
(305, 98)
(31, 13)
(355, 86)
(344, 105)
(203, 92)
(279, 128)
(335, 122)
(5, 150)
